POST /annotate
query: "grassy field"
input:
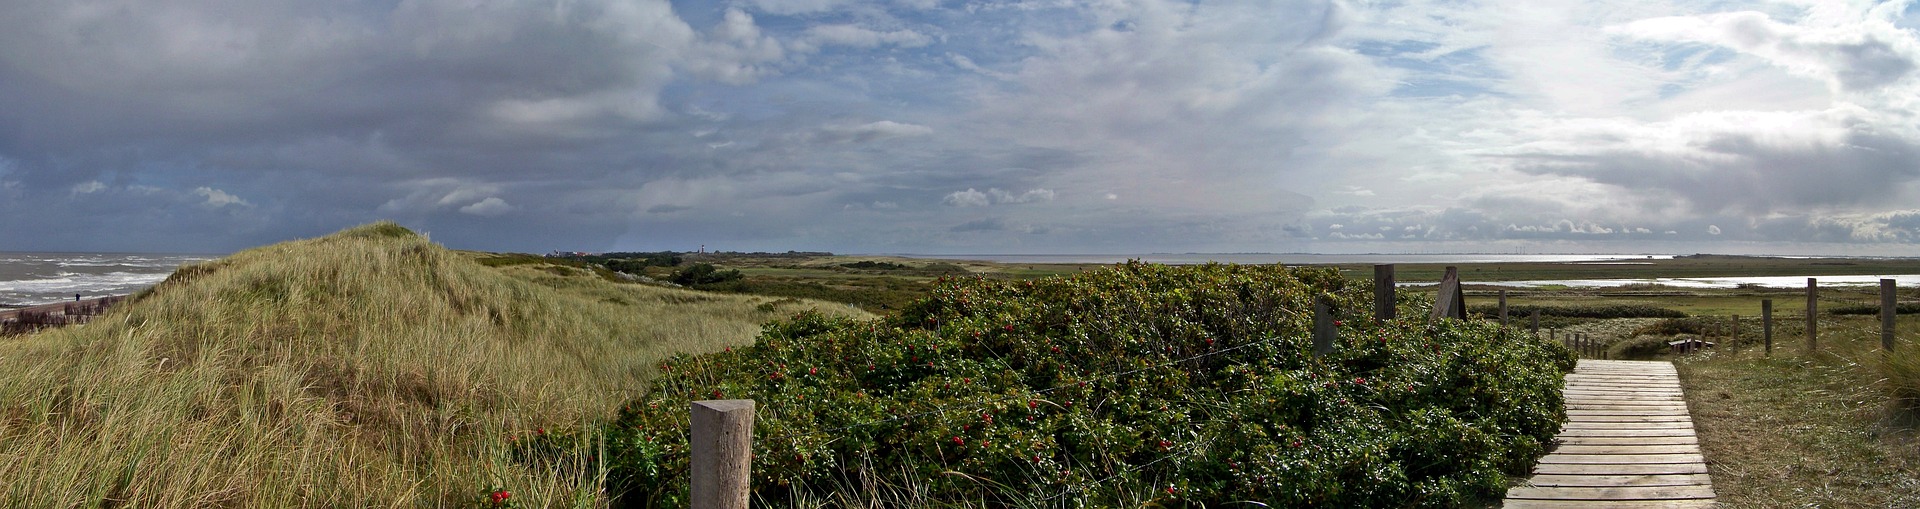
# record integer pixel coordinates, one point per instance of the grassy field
(372, 367)
(367, 368)
(1679, 267)
(1799, 429)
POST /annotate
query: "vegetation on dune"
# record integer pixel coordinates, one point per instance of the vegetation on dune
(1903, 308)
(367, 368)
(1589, 311)
(1832, 428)
(1139, 384)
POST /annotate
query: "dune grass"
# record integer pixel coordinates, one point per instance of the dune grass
(369, 368)
(1832, 428)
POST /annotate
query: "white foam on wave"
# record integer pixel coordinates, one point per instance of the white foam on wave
(92, 275)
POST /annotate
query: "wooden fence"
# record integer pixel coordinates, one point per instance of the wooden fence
(33, 318)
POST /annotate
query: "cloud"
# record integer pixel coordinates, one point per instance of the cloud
(979, 225)
(1030, 196)
(855, 36)
(1744, 162)
(879, 125)
(967, 198)
(993, 196)
(736, 52)
(872, 131)
(489, 207)
(217, 198)
(1856, 55)
(1713, 230)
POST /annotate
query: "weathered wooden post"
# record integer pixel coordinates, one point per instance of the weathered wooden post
(1813, 315)
(1733, 337)
(1323, 330)
(1383, 292)
(1888, 306)
(722, 450)
(1766, 323)
(1534, 322)
(1503, 307)
(1448, 303)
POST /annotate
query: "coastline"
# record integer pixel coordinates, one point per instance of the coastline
(56, 314)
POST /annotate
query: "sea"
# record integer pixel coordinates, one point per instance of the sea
(40, 278)
(1297, 258)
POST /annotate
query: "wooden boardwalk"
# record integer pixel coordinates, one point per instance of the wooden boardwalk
(1628, 443)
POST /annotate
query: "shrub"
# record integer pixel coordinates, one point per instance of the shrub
(873, 265)
(1138, 384)
(1610, 311)
(703, 274)
(1672, 326)
(1641, 347)
(1903, 308)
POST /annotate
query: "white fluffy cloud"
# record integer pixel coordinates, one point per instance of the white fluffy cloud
(975, 198)
(217, 198)
(489, 207)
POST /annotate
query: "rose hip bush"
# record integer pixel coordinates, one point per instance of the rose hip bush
(1142, 383)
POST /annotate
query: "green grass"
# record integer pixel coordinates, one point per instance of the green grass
(367, 368)
(1800, 429)
(1695, 266)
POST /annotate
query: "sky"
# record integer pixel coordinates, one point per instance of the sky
(964, 126)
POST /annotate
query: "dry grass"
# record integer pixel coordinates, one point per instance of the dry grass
(370, 368)
(1808, 430)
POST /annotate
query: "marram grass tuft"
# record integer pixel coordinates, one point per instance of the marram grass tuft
(366, 368)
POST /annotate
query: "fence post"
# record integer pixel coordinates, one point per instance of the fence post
(1888, 307)
(722, 448)
(1383, 292)
(1323, 331)
(1503, 307)
(1766, 323)
(1734, 335)
(1813, 315)
(1534, 322)
(1447, 303)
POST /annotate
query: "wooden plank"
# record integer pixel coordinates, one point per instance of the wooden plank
(1627, 440)
(1613, 493)
(1626, 406)
(1622, 459)
(1610, 504)
(1628, 449)
(1577, 412)
(1661, 399)
(1629, 425)
(1598, 393)
(1550, 480)
(1635, 418)
(1642, 377)
(1604, 390)
(1641, 469)
(1626, 433)
(1591, 394)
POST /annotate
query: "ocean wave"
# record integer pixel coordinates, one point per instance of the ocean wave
(63, 287)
